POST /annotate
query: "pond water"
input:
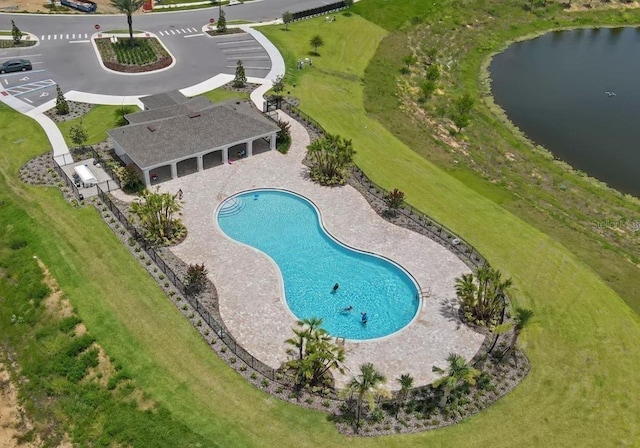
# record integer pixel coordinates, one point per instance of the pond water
(577, 93)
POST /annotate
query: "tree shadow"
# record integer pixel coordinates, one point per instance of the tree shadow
(449, 311)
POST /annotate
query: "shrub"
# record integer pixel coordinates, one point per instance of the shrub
(196, 279)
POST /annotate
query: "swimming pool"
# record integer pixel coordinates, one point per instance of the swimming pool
(287, 228)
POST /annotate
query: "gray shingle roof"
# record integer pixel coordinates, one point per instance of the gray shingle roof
(161, 141)
(163, 99)
(192, 105)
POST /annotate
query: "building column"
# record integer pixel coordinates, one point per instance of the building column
(200, 164)
(225, 156)
(147, 178)
(249, 148)
(174, 170)
(272, 142)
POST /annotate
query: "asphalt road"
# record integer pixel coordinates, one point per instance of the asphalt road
(66, 57)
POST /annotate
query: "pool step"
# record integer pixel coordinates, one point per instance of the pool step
(231, 207)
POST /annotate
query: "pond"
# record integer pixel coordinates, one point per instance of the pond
(577, 93)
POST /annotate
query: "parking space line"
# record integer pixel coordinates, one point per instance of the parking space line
(28, 100)
(236, 42)
(261, 58)
(243, 50)
(22, 56)
(251, 68)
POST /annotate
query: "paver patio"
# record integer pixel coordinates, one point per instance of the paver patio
(250, 287)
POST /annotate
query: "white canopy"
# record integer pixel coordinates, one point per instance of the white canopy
(86, 176)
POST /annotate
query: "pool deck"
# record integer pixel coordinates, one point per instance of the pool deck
(250, 286)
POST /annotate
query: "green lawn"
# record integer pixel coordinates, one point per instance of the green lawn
(583, 347)
(224, 95)
(97, 122)
(579, 347)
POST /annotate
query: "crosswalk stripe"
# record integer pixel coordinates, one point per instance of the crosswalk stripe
(43, 37)
(183, 30)
(55, 37)
(172, 32)
(67, 36)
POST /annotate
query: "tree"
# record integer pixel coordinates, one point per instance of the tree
(283, 139)
(521, 320)
(196, 279)
(157, 214)
(120, 113)
(367, 385)
(128, 7)
(408, 61)
(458, 374)
(287, 18)
(462, 111)
(278, 86)
(62, 107)
(433, 72)
(130, 180)
(222, 22)
(314, 353)
(316, 42)
(241, 78)
(78, 134)
(330, 157)
(15, 33)
(427, 88)
(394, 200)
(482, 295)
(406, 383)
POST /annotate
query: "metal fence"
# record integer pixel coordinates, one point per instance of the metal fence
(66, 178)
(105, 166)
(318, 11)
(217, 327)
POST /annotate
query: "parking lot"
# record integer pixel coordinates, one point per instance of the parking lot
(34, 87)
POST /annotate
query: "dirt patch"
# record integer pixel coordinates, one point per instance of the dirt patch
(14, 424)
(56, 303)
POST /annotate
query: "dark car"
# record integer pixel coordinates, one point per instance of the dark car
(15, 65)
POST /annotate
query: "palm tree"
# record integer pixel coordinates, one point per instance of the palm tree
(317, 353)
(521, 320)
(482, 295)
(366, 385)
(406, 383)
(330, 156)
(128, 7)
(458, 373)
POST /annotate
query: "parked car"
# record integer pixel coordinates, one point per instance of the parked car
(15, 65)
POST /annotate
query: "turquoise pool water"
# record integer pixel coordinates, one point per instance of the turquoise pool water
(287, 228)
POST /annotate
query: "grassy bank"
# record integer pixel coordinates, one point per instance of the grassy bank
(491, 156)
(566, 394)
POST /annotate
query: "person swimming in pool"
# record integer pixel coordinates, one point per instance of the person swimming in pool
(348, 309)
(335, 287)
(364, 318)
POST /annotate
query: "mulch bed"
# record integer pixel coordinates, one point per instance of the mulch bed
(229, 31)
(76, 110)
